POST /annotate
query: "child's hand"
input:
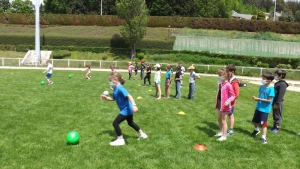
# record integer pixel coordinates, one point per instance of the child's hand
(102, 97)
(134, 109)
(255, 98)
(226, 104)
(275, 106)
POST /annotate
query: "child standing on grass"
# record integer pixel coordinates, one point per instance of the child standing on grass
(136, 68)
(178, 78)
(130, 68)
(148, 74)
(112, 68)
(182, 72)
(192, 81)
(263, 106)
(49, 71)
(142, 69)
(236, 88)
(225, 96)
(157, 81)
(88, 69)
(126, 105)
(280, 88)
(168, 81)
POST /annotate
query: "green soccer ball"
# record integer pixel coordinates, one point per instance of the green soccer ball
(73, 137)
(70, 76)
(42, 82)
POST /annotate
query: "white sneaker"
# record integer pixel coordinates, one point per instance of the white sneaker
(118, 142)
(218, 134)
(221, 139)
(143, 136)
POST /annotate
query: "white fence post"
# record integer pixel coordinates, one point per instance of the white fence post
(242, 70)
(261, 71)
(100, 63)
(84, 63)
(68, 62)
(207, 67)
(19, 62)
(2, 61)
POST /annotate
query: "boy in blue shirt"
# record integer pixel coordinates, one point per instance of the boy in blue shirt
(263, 106)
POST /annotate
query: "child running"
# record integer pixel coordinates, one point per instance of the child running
(126, 105)
(178, 78)
(225, 96)
(263, 106)
(130, 68)
(157, 81)
(88, 69)
(49, 71)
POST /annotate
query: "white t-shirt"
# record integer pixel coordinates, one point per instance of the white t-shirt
(157, 76)
(49, 68)
(88, 70)
(192, 77)
(182, 70)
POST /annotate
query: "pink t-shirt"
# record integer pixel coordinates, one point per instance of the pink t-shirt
(130, 68)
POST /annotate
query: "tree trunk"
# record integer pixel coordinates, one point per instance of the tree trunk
(133, 52)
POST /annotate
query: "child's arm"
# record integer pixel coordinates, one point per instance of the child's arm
(103, 97)
(231, 96)
(134, 107)
(180, 77)
(263, 100)
(45, 70)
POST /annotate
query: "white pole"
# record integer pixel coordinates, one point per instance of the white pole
(101, 7)
(275, 11)
(37, 31)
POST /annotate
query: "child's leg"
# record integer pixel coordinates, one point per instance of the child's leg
(149, 77)
(224, 116)
(190, 88)
(277, 116)
(116, 123)
(193, 86)
(220, 121)
(156, 89)
(159, 91)
(130, 122)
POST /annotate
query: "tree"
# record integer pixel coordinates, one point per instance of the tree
(20, 6)
(135, 14)
(4, 5)
(261, 15)
(55, 6)
(297, 16)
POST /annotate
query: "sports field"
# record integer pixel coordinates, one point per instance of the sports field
(35, 120)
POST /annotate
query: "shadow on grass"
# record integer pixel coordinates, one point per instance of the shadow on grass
(113, 134)
(210, 130)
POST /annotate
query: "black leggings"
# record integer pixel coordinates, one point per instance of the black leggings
(147, 77)
(120, 118)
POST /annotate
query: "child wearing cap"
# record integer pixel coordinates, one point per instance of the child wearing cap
(192, 85)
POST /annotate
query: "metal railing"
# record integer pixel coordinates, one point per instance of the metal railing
(103, 64)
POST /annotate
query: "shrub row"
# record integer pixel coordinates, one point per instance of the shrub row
(160, 21)
(176, 56)
(114, 42)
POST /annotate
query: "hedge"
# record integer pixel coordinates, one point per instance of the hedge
(161, 21)
(55, 40)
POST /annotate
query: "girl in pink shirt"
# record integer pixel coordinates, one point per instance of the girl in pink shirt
(130, 68)
(225, 96)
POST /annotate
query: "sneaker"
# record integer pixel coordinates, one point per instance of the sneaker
(255, 133)
(218, 134)
(158, 98)
(229, 133)
(262, 141)
(221, 139)
(118, 142)
(275, 130)
(143, 136)
(272, 128)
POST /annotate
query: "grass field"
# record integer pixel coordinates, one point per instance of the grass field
(36, 118)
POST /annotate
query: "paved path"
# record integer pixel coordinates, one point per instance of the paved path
(294, 84)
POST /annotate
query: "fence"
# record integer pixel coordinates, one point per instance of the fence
(102, 64)
(238, 46)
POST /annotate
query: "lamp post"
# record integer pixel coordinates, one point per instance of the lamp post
(37, 32)
(101, 7)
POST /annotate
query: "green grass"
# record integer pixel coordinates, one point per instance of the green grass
(36, 118)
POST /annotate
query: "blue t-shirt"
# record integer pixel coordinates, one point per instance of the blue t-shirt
(120, 95)
(265, 93)
(168, 74)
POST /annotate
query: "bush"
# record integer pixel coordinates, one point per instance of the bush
(284, 66)
(60, 54)
(140, 56)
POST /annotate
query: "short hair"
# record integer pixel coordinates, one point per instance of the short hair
(268, 76)
(231, 67)
(281, 73)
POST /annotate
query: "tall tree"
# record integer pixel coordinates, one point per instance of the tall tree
(135, 14)
(20, 6)
(4, 5)
(56, 6)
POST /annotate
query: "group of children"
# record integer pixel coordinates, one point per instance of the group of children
(269, 98)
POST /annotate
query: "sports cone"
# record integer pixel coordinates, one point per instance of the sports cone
(181, 113)
(200, 147)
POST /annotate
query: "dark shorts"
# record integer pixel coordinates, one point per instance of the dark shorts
(260, 117)
(232, 111)
(167, 80)
(48, 75)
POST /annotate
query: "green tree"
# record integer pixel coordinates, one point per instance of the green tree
(135, 14)
(4, 5)
(56, 6)
(297, 16)
(261, 15)
(20, 6)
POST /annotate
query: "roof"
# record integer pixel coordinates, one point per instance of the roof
(241, 16)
